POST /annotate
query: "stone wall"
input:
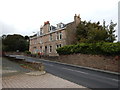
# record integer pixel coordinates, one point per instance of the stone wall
(109, 63)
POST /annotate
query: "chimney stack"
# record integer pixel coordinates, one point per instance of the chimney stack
(77, 19)
(47, 22)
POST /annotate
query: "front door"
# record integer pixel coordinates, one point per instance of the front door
(45, 50)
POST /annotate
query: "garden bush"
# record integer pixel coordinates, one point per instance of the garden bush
(27, 52)
(103, 48)
(111, 48)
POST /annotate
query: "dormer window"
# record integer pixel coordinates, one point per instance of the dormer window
(60, 25)
(41, 31)
(50, 29)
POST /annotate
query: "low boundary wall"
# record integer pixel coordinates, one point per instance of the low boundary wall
(110, 63)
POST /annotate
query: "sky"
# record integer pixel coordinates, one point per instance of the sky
(26, 16)
(119, 21)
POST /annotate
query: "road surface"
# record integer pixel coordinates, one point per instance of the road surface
(81, 76)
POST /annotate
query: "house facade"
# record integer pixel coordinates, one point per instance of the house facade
(50, 37)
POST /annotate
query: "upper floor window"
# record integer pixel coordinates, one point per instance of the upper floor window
(57, 36)
(34, 42)
(50, 37)
(40, 41)
(60, 35)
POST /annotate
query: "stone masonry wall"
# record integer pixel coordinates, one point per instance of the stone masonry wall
(109, 63)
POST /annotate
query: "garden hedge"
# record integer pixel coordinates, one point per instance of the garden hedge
(103, 48)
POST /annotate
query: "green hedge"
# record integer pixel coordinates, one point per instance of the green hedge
(27, 52)
(91, 48)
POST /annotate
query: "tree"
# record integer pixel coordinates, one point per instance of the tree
(111, 31)
(15, 42)
(94, 32)
(26, 38)
(4, 36)
(82, 31)
(90, 32)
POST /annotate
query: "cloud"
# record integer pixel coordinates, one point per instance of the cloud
(26, 16)
(5, 28)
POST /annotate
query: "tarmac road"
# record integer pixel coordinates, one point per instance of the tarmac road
(86, 77)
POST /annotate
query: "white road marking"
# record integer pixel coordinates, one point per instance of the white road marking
(91, 74)
(105, 77)
(49, 64)
(75, 70)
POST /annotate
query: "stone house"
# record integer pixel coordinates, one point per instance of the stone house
(50, 37)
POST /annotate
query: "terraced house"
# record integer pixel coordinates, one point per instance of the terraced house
(52, 37)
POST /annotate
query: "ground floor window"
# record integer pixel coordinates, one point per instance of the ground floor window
(58, 45)
(40, 48)
(50, 49)
(45, 49)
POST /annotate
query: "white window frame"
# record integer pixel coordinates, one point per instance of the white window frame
(57, 46)
(50, 37)
(50, 28)
(60, 45)
(62, 25)
(40, 41)
(34, 42)
(50, 49)
(60, 33)
(41, 31)
(57, 35)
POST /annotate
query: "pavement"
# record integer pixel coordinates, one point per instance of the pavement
(14, 76)
(44, 81)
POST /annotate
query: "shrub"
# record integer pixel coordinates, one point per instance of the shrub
(103, 48)
(27, 52)
(65, 50)
(111, 48)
